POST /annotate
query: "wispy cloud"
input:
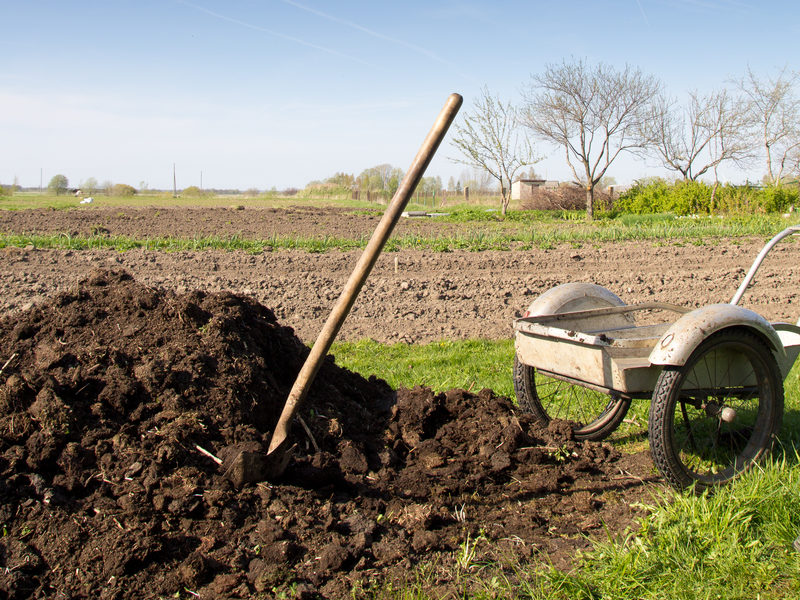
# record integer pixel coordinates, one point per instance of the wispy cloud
(708, 5)
(376, 34)
(644, 15)
(272, 32)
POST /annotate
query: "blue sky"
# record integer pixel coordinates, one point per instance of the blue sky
(263, 93)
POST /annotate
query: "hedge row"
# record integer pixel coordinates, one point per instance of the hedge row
(695, 197)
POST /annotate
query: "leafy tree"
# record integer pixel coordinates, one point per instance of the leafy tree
(345, 180)
(607, 182)
(488, 138)
(58, 184)
(193, 190)
(380, 178)
(529, 174)
(477, 180)
(428, 186)
(10, 190)
(594, 112)
(123, 189)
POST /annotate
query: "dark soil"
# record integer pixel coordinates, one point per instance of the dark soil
(116, 398)
(250, 223)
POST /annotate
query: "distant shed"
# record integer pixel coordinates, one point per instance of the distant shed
(522, 189)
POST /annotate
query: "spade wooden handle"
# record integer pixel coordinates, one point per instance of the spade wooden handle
(362, 269)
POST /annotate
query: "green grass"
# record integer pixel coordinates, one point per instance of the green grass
(120, 243)
(480, 227)
(34, 200)
(736, 543)
(471, 364)
(547, 233)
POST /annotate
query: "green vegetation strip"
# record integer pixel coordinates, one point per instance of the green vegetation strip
(35, 200)
(470, 364)
(170, 244)
(520, 234)
(737, 543)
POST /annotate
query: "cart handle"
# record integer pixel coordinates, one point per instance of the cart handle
(794, 230)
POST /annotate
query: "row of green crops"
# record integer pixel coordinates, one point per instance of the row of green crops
(477, 235)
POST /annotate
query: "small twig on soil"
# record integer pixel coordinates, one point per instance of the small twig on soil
(8, 362)
(471, 385)
(205, 452)
(545, 448)
(627, 475)
(516, 422)
(308, 432)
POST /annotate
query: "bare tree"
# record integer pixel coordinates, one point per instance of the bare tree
(593, 112)
(774, 111)
(489, 139)
(700, 136)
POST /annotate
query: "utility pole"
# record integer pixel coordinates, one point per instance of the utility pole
(201, 181)
(174, 183)
(41, 173)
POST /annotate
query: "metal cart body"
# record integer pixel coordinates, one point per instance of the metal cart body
(585, 335)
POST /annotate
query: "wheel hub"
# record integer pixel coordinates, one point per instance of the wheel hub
(724, 413)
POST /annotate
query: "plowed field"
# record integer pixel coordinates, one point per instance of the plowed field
(130, 374)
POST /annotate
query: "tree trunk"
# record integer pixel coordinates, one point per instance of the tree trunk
(505, 199)
(769, 163)
(589, 202)
(714, 194)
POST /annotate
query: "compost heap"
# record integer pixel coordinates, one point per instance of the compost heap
(116, 399)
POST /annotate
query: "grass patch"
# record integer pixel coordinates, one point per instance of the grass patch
(470, 364)
(477, 364)
(497, 235)
(121, 243)
(35, 200)
(734, 544)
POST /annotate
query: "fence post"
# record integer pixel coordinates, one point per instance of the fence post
(466, 193)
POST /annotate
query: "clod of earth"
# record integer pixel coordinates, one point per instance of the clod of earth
(122, 408)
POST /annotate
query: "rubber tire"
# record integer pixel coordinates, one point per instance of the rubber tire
(592, 427)
(666, 446)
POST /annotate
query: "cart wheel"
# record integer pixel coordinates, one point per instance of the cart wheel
(596, 415)
(718, 414)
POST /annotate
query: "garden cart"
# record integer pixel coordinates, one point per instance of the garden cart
(714, 375)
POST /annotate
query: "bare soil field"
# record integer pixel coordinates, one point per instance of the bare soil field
(129, 373)
(224, 222)
(419, 296)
